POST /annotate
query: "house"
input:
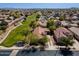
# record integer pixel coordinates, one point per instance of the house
(42, 18)
(75, 31)
(74, 17)
(66, 23)
(73, 25)
(11, 17)
(57, 18)
(39, 31)
(8, 21)
(16, 20)
(75, 21)
(67, 17)
(2, 18)
(61, 32)
(51, 16)
(42, 21)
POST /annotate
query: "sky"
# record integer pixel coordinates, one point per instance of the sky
(38, 5)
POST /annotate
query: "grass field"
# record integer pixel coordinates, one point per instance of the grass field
(16, 34)
(1, 32)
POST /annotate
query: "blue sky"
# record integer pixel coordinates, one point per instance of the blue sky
(38, 5)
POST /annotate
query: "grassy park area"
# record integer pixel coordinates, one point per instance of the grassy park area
(1, 32)
(17, 34)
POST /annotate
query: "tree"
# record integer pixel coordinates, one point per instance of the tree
(32, 39)
(3, 25)
(26, 32)
(52, 28)
(8, 18)
(50, 23)
(15, 14)
(66, 41)
(38, 16)
(33, 24)
(27, 41)
(43, 40)
(61, 18)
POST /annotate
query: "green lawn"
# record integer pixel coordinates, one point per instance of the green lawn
(1, 32)
(16, 34)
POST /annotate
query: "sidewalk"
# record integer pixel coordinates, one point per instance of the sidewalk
(4, 35)
(14, 52)
(51, 45)
(11, 48)
(8, 30)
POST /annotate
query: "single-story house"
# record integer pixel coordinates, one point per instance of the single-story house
(61, 32)
(66, 23)
(75, 21)
(75, 31)
(74, 17)
(39, 31)
(42, 21)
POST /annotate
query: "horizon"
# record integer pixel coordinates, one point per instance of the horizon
(39, 5)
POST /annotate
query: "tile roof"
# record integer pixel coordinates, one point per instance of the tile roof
(61, 32)
(75, 30)
(39, 31)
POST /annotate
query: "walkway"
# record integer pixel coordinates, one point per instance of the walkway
(51, 45)
(14, 52)
(8, 30)
(4, 35)
(76, 45)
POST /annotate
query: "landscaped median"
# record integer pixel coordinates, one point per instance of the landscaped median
(17, 34)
